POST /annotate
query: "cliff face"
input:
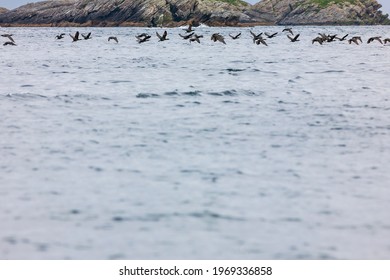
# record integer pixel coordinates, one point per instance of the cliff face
(300, 12)
(135, 12)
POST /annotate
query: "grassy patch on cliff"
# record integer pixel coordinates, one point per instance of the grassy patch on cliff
(325, 3)
(233, 2)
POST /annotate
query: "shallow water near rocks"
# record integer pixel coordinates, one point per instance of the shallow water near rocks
(174, 150)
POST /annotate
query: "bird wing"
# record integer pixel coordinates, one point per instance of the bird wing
(113, 38)
(10, 37)
(221, 39)
(86, 37)
(270, 35)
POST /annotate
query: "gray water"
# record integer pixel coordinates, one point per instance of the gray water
(174, 150)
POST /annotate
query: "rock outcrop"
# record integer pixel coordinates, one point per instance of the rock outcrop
(135, 13)
(3, 10)
(178, 12)
(321, 12)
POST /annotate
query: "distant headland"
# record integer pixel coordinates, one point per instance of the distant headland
(170, 13)
(3, 10)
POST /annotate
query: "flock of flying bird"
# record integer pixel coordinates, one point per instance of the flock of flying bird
(191, 36)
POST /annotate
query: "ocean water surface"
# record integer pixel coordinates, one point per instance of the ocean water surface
(178, 150)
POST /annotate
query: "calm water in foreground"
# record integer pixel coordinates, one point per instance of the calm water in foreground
(175, 150)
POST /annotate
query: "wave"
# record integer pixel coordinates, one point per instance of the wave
(198, 93)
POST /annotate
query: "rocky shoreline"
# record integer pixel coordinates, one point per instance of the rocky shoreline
(173, 13)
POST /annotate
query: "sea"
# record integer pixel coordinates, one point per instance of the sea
(179, 150)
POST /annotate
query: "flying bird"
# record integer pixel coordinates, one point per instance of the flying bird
(9, 43)
(357, 38)
(258, 39)
(354, 40)
(288, 30)
(113, 38)
(60, 36)
(189, 29)
(186, 37)
(343, 38)
(331, 38)
(87, 36)
(9, 36)
(255, 37)
(261, 40)
(163, 37)
(319, 40)
(218, 37)
(323, 36)
(235, 37)
(195, 38)
(295, 39)
(142, 38)
(270, 35)
(372, 39)
(75, 37)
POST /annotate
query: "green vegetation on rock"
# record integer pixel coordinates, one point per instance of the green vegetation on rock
(233, 2)
(325, 3)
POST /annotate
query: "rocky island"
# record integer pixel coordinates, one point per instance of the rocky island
(171, 13)
(135, 13)
(321, 12)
